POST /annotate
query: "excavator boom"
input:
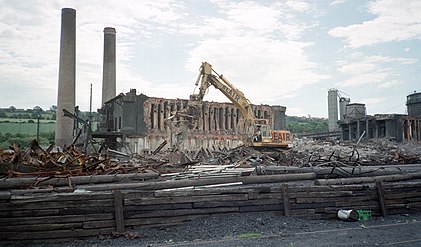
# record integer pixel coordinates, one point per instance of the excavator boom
(250, 127)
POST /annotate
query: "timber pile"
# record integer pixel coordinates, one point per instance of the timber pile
(31, 215)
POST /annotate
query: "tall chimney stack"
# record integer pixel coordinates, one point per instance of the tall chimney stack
(109, 67)
(66, 78)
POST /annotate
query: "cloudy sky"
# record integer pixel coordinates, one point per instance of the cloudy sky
(288, 52)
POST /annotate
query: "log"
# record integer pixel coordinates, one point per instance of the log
(200, 182)
(16, 183)
(357, 171)
(388, 178)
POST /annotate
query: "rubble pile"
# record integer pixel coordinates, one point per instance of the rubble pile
(204, 163)
(375, 152)
(72, 162)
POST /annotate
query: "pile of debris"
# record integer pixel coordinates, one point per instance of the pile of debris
(375, 152)
(72, 162)
(324, 158)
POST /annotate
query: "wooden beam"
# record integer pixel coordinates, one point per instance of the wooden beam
(285, 196)
(382, 202)
(119, 211)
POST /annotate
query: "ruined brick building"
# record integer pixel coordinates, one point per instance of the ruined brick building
(139, 121)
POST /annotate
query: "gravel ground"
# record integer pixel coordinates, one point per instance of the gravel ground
(269, 229)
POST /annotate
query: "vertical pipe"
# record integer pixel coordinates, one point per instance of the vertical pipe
(66, 78)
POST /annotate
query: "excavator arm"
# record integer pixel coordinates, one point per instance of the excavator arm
(208, 77)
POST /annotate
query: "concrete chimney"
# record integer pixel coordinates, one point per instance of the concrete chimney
(66, 78)
(108, 73)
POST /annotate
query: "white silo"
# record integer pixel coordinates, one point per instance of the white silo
(332, 107)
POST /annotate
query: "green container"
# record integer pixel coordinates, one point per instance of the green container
(364, 214)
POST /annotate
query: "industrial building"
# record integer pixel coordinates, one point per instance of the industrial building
(354, 123)
(139, 122)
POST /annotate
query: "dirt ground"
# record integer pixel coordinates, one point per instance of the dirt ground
(269, 229)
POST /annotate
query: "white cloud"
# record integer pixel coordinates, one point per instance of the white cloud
(396, 20)
(373, 101)
(262, 68)
(298, 5)
(337, 2)
(365, 70)
(389, 84)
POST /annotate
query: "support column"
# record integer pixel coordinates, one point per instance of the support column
(211, 118)
(358, 130)
(206, 119)
(66, 96)
(161, 115)
(350, 131)
(376, 129)
(367, 129)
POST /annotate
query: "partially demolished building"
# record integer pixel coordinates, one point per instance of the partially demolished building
(140, 122)
(399, 127)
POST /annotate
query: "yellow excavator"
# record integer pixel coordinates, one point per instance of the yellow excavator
(255, 132)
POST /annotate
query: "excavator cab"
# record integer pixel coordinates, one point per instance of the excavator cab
(264, 136)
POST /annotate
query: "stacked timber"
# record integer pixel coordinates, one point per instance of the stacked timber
(91, 210)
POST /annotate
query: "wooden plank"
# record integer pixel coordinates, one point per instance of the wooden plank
(5, 195)
(335, 199)
(76, 233)
(325, 188)
(59, 197)
(181, 212)
(382, 201)
(40, 227)
(166, 220)
(204, 198)
(402, 195)
(55, 219)
(285, 199)
(27, 213)
(327, 194)
(15, 183)
(318, 205)
(98, 224)
(258, 208)
(119, 211)
(15, 205)
(154, 207)
(277, 195)
(354, 204)
(302, 212)
(386, 178)
(236, 203)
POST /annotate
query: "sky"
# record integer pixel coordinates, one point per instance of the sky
(288, 52)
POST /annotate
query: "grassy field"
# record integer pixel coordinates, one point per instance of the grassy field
(27, 128)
